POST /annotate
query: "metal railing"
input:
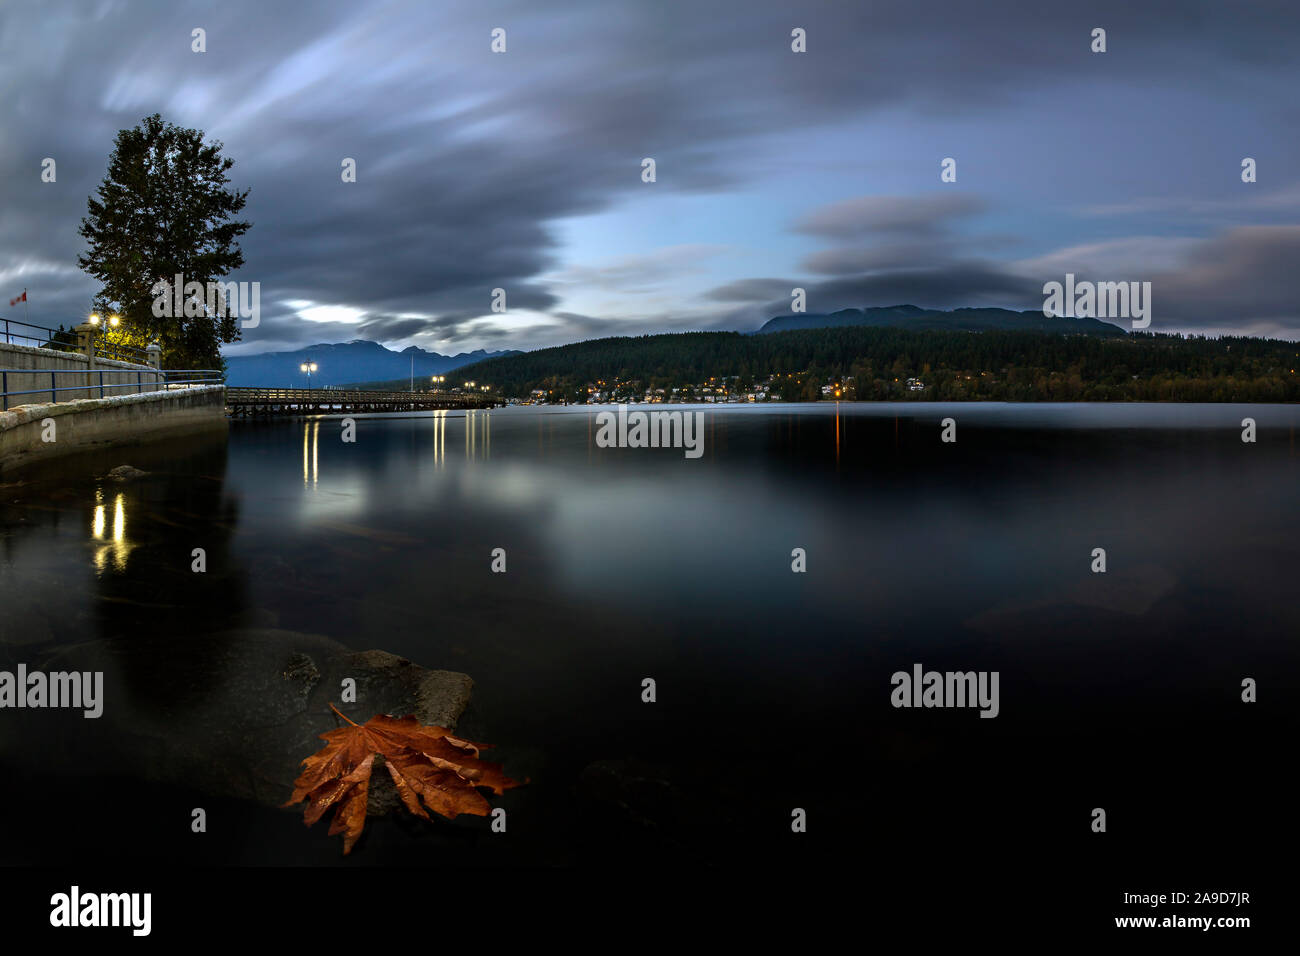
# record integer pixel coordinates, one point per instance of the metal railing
(65, 340)
(48, 340)
(145, 381)
(121, 353)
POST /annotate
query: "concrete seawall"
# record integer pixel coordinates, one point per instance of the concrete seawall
(28, 369)
(103, 422)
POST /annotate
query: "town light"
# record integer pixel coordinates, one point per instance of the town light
(94, 318)
(114, 320)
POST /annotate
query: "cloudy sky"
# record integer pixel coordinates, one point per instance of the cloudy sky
(523, 170)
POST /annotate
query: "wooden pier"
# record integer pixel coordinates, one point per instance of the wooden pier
(256, 402)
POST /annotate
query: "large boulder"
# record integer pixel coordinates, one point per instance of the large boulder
(235, 713)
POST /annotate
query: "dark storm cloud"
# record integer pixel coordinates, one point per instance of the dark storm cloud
(907, 231)
(888, 216)
(466, 159)
(950, 284)
(1214, 282)
(751, 290)
(1253, 264)
(915, 260)
(849, 261)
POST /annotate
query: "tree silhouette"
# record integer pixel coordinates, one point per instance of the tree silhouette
(164, 209)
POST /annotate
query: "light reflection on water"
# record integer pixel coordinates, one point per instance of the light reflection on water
(627, 563)
(116, 548)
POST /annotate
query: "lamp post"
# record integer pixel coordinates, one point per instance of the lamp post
(437, 380)
(308, 367)
(97, 323)
(96, 320)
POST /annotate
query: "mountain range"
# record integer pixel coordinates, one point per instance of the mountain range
(361, 361)
(345, 363)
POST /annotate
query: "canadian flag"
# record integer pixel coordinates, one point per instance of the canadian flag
(21, 298)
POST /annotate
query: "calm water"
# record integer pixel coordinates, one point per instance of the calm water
(1119, 690)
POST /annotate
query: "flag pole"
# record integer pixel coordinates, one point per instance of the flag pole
(26, 315)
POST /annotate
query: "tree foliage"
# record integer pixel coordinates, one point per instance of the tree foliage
(164, 208)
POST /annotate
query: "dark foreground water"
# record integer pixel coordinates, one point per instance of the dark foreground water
(1119, 690)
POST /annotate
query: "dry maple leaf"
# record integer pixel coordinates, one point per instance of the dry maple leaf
(426, 763)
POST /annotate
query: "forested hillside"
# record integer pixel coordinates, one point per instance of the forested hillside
(992, 365)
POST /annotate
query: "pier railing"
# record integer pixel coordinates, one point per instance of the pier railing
(91, 383)
(291, 401)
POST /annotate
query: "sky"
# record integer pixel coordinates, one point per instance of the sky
(774, 169)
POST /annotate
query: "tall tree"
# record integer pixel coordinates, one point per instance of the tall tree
(164, 209)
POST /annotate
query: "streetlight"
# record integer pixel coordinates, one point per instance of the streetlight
(438, 380)
(95, 319)
(308, 367)
(114, 320)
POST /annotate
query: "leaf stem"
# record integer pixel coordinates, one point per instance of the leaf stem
(343, 715)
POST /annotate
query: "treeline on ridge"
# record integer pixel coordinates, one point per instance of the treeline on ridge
(952, 365)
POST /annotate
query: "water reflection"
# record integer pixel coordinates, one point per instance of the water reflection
(115, 547)
(310, 452)
(440, 438)
(478, 434)
(478, 441)
(919, 551)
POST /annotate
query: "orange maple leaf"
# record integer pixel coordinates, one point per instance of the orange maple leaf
(426, 763)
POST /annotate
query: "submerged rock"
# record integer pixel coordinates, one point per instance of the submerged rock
(125, 473)
(235, 713)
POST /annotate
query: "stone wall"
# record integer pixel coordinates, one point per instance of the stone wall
(16, 360)
(101, 422)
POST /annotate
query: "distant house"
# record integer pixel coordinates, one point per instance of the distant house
(915, 385)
